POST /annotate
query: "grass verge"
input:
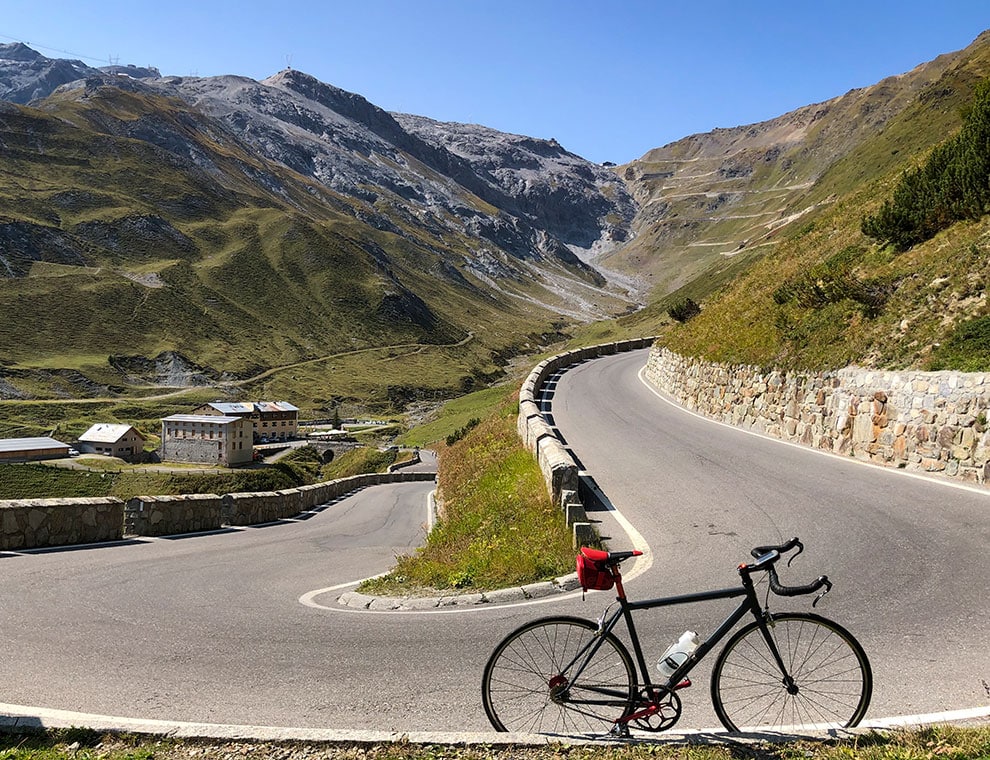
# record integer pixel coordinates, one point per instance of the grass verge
(38, 481)
(939, 742)
(456, 413)
(358, 462)
(496, 527)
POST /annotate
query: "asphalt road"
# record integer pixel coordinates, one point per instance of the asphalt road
(241, 627)
(909, 556)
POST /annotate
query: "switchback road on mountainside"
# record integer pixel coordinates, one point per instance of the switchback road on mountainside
(214, 628)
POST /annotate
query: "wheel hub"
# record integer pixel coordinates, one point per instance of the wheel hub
(559, 689)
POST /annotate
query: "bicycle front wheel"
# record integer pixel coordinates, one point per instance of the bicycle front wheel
(557, 675)
(828, 682)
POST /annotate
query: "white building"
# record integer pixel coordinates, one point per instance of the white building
(271, 420)
(123, 441)
(207, 439)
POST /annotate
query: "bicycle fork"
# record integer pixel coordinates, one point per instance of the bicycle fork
(766, 625)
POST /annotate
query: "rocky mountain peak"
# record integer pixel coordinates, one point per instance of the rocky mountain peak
(346, 104)
(343, 102)
(18, 51)
(26, 74)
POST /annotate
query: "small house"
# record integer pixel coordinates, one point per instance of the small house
(122, 441)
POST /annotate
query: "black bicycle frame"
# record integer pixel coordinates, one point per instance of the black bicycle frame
(749, 605)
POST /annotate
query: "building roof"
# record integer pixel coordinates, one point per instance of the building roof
(208, 419)
(30, 444)
(276, 406)
(225, 407)
(105, 432)
(250, 407)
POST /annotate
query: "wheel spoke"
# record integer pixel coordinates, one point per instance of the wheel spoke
(831, 677)
(530, 685)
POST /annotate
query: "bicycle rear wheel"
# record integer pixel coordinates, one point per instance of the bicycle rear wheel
(547, 677)
(831, 677)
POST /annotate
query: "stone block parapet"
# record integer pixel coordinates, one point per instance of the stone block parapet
(36, 523)
(560, 470)
(923, 421)
(168, 515)
(29, 523)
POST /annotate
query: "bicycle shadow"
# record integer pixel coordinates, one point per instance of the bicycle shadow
(742, 739)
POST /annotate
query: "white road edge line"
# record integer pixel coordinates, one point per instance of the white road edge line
(28, 716)
(643, 563)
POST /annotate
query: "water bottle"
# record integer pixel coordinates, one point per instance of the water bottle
(677, 653)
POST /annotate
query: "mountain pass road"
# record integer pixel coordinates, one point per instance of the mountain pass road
(908, 555)
(242, 627)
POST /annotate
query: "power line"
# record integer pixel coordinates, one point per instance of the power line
(97, 59)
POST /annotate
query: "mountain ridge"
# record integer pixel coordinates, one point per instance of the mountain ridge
(712, 196)
(210, 189)
(446, 229)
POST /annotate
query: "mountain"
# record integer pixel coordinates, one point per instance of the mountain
(243, 226)
(256, 233)
(710, 197)
(763, 227)
(27, 75)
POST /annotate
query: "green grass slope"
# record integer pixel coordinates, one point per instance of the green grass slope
(131, 226)
(824, 295)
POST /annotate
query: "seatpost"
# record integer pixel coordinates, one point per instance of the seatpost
(620, 592)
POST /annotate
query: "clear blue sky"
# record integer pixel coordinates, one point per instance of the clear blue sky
(609, 79)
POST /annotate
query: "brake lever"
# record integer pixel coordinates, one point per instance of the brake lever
(828, 587)
(800, 548)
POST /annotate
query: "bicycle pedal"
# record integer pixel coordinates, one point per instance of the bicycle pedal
(683, 684)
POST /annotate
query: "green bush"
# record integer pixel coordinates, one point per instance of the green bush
(953, 184)
(684, 310)
(834, 281)
(463, 431)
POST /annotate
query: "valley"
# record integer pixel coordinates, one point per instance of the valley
(170, 238)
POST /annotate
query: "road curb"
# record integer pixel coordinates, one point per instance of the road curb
(21, 719)
(16, 719)
(512, 595)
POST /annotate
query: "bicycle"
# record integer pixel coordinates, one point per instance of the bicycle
(787, 672)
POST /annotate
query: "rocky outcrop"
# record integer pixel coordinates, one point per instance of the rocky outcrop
(24, 243)
(580, 203)
(27, 75)
(137, 237)
(169, 368)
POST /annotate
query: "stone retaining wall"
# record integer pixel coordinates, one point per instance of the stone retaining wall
(35, 523)
(926, 421)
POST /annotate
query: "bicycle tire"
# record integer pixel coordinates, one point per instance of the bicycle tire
(524, 688)
(833, 681)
